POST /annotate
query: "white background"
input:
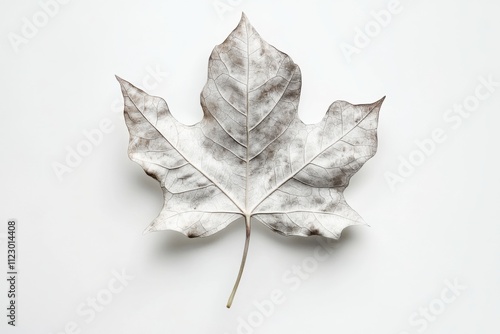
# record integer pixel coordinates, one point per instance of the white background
(440, 224)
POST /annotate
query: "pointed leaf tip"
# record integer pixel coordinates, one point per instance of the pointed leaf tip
(148, 230)
(244, 21)
(121, 81)
(378, 103)
(124, 84)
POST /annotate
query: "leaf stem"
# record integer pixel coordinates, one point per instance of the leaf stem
(243, 260)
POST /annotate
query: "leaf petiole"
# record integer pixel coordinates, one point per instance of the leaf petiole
(243, 260)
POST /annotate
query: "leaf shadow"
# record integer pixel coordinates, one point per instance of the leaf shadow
(174, 245)
(309, 242)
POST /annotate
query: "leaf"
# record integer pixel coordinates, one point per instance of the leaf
(251, 156)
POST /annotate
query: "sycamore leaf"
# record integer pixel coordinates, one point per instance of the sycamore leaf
(251, 156)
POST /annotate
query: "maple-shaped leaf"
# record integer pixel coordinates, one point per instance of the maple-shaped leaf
(251, 156)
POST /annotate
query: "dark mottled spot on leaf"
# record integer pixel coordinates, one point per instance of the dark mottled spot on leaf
(314, 231)
(338, 180)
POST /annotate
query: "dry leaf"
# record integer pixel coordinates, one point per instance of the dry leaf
(251, 156)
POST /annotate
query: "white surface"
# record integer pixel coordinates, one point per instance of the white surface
(439, 225)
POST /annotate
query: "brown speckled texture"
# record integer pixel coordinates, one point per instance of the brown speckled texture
(251, 155)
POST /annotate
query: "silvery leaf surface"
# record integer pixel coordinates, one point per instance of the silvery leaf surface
(251, 156)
